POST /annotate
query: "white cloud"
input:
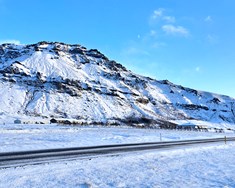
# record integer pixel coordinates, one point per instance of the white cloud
(170, 19)
(10, 41)
(153, 33)
(158, 13)
(208, 19)
(171, 29)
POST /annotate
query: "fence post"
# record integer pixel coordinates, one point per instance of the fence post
(225, 139)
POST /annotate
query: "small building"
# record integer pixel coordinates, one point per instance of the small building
(17, 121)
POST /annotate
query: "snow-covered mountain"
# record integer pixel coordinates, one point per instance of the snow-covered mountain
(57, 80)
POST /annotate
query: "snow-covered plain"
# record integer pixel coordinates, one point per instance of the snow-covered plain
(15, 137)
(206, 166)
(191, 166)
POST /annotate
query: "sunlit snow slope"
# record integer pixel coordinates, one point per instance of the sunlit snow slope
(51, 79)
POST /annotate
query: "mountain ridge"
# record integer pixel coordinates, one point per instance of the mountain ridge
(58, 80)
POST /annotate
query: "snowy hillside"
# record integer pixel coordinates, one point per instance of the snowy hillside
(56, 80)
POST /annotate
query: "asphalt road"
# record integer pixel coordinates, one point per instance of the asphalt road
(21, 158)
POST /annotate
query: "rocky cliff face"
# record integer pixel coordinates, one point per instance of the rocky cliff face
(57, 80)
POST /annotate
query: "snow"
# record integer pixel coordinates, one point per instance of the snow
(199, 166)
(28, 91)
(113, 94)
(16, 137)
(207, 165)
(43, 62)
(99, 86)
(204, 124)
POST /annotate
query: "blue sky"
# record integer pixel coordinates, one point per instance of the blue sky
(191, 43)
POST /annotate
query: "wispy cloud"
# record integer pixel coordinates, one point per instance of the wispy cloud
(134, 50)
(167, 23)
(159, 14)
(212, 39)
(153, 33)
(170, 19)
(208, 19)
(10, 41)
(175, 30)
(158, 44)
(160, 23)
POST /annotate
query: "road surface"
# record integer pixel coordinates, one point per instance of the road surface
(21, 158)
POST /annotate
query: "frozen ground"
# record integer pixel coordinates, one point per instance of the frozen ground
(15, 137)
(207, 166)
(197, 166)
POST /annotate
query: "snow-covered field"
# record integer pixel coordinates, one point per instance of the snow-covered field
(207, 166)
(15, 137)
(191, 166)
